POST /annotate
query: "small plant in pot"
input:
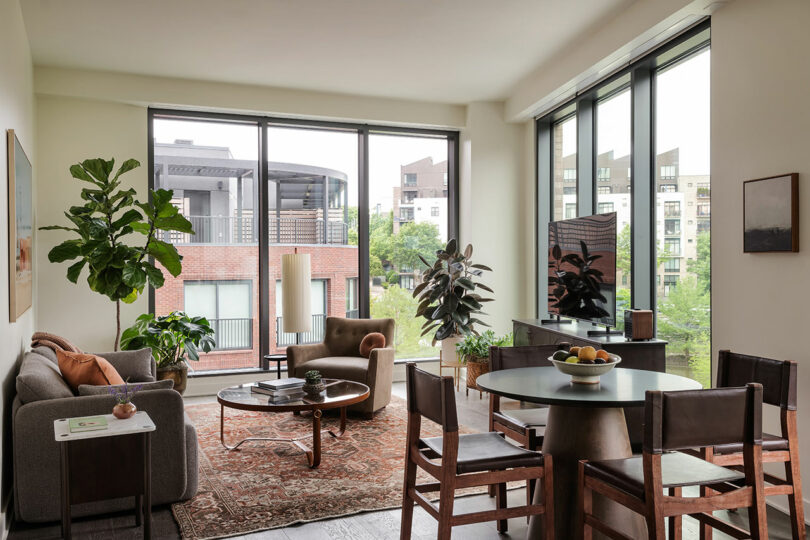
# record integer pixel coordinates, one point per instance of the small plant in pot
(124, 408)
(448, 297)
(473, 351)
(174, 339)
(314, 383)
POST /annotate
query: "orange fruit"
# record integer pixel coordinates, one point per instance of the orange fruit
(574, 351)
(587, 353)
(602, 353)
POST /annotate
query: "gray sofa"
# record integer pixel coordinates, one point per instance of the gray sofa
(43, 396)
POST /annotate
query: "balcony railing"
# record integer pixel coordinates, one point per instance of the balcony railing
(231, 334)
(314, 336)
(352, 313)
(240, 230)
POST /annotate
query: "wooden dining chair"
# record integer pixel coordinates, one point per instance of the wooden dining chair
(676, 421)
(462, 461)
(526, 426)
(778, 380)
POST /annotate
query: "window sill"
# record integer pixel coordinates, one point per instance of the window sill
(272, 370)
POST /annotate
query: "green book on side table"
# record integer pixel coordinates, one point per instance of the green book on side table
(87, 423)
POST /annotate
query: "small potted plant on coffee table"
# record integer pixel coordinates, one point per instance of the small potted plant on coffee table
(314, 383)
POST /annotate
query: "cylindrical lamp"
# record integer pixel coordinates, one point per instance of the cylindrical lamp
(296, 276)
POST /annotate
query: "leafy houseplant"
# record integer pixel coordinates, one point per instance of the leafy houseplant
(118, 266)
(447, 295)
(576, 290)
(174, 339)
(314, 384)
(474, 352)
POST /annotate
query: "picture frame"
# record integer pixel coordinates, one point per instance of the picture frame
(20, 228)
(771, 214)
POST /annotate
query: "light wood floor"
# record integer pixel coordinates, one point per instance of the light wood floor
(382, 525)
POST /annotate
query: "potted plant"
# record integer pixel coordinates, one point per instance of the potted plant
(314, 383)
(106, 229)
(174, 339)
(124, 408)
(473, 351)
(448, 297)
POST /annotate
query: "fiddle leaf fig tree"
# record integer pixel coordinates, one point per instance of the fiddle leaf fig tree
(448, 297)
(115, 234)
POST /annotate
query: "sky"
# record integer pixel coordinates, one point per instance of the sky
(331, 149)
(682, 117)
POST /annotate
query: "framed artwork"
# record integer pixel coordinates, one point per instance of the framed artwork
(20, 228)
(771, 214)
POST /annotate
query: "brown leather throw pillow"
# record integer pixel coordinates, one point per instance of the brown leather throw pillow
(374, 340)
(81, 368)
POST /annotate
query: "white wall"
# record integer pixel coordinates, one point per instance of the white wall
(69, 131)
(16, 112)
(761, 127)
(494, 213)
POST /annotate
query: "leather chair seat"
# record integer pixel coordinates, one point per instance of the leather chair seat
(523, 418)
(352, 368)
(486, 452)
(677, 470)
(770, 443)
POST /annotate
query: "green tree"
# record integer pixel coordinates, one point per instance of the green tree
(398, 304)
(684, 320)
(413, 240)
(624, 252)
(702, 265)
(353, 224)
(381, 230)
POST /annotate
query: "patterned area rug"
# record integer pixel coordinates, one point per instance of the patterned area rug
(265, 485)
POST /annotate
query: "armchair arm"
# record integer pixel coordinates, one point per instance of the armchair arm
(36, 453)
(380, 376)
(298, 355)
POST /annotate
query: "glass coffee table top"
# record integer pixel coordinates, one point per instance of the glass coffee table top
(338, 393)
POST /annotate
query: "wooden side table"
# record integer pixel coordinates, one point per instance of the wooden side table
(107, 464)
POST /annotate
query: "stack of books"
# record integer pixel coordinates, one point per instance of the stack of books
(280, 390)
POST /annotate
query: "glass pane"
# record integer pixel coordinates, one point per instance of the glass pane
(408, 217)
(234, 300)
(313, 188)
(613, 126)
(212, 167)
(683, 193)
(564, 169)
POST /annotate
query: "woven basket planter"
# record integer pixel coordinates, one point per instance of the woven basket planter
(474, 370)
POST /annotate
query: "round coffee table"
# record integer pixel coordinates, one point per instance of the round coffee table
(585, 421)
(338, 394)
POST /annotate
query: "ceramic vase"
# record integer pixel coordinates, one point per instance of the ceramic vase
(124, 410)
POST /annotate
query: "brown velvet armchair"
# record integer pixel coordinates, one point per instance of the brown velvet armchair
(338, 357)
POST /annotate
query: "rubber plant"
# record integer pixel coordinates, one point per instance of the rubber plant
(448, 295)
(575, 283)
(173, 338)
(106, 228)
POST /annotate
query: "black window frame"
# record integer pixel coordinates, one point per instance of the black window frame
(216, 283)
(363, 131)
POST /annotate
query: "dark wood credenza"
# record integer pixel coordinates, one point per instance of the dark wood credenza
(649, 355)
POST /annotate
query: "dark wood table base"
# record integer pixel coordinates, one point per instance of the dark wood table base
(313, 454)
(592, 433)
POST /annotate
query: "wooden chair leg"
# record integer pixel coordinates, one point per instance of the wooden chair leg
(407, 502)
(757, 520)
(548, 495)
(795, 501)
(706, 531)
(529, 494)
(584, 506)
(656, 528)
(500, 504)
(446, 499)
(675, 522)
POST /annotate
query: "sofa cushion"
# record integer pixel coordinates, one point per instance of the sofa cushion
(94, 390)
(374, 340)
(352, 368)
(81, 368)
(133, 366)
(39, 379)
(48, 353)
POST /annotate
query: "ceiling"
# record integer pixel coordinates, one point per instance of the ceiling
(450, 51)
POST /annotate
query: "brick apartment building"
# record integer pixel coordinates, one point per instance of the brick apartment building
(217, 193)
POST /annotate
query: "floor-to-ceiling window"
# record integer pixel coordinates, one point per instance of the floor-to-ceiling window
(649, 163)
(363, 201)
(683, 214)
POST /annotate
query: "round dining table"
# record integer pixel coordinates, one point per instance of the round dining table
(585, 421)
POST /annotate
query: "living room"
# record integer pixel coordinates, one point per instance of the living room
(360, 136)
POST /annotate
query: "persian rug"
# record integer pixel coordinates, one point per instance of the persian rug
(265, 485)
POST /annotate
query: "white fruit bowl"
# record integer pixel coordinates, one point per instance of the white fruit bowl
(586, 373)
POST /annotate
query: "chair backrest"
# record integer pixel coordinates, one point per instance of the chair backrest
(343, 336)
(431, 396)
(777, 377)
(699, 418)
(523, 356)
